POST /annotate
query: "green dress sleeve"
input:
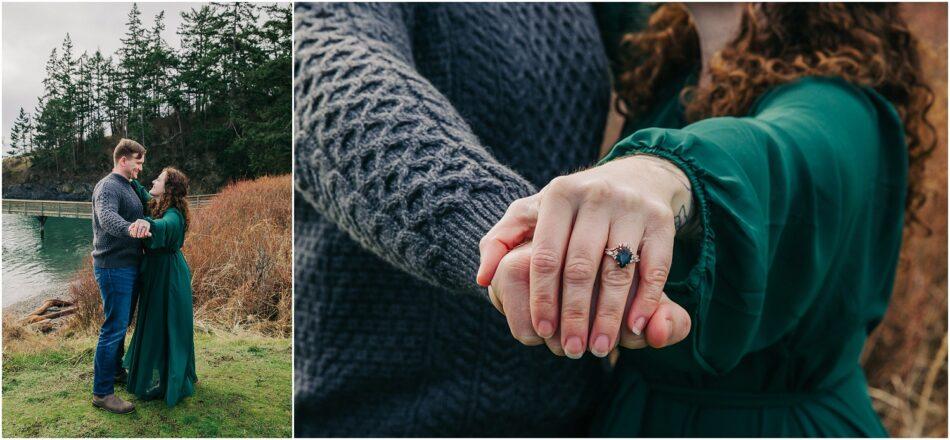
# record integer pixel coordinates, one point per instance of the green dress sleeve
(140, 191)
(775, 192)
(166, 231)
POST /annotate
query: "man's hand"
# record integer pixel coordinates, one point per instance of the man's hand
(510, 294)
(140, 229)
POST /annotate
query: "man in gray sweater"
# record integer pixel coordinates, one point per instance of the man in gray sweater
(417, 125)
(115, 210)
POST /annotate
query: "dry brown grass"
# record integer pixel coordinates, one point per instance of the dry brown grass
(239, 250)
(906, 357)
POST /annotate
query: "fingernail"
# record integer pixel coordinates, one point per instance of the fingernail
(545, 329)
(574, 349)
(638, 325)
(601, 346)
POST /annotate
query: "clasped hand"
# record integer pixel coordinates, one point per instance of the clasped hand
(560, 288)
(140, 229)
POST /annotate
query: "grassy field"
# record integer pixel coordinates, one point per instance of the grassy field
(243, 390)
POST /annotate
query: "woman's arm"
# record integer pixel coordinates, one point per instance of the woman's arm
(166, 231)
(144, 195)
(775, 193)
(383, 154)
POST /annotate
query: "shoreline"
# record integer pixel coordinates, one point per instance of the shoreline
(24, 306)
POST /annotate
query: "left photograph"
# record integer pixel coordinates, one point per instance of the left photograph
(147, 214)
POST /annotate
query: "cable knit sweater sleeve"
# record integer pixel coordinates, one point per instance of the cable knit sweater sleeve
(106, 203)
(383, 154)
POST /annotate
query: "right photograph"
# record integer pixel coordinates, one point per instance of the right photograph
(620, 220)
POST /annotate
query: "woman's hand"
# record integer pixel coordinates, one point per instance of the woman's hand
(638, 201)
(509, 294)
(140, 229)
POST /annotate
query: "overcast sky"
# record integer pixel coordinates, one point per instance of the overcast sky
(31, 30)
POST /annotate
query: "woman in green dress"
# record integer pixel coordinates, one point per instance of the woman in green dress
(161, 357)
(774, 148)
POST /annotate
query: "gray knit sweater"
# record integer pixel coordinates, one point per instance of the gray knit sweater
(114, 207)
(417, 126)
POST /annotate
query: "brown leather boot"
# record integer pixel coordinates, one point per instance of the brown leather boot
(113, 404)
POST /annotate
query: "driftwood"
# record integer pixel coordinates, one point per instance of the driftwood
(51, 309)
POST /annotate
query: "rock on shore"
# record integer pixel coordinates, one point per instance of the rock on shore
(68, 191)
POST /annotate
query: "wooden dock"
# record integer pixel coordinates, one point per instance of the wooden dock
(58, 208)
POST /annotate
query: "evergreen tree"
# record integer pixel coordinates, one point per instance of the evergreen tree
(133, 70)
(83, 104)
(66, 118)
(114, 97)
(159, 67)
(219, 107)
(198, 69)
(20, 134)
(99, 86)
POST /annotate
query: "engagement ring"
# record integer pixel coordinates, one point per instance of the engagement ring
(623, 255)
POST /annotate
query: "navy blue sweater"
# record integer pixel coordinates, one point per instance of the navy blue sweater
(417, 125)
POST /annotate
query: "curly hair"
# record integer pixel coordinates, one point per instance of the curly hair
(866, 44)
(175, 195)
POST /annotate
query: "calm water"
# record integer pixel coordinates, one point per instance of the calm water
(33, 266)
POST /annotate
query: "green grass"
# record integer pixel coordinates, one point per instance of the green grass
(243, 390)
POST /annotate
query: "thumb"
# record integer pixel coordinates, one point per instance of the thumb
(514, 228)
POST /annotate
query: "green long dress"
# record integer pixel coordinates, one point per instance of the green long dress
(161, 356)
(801, 205)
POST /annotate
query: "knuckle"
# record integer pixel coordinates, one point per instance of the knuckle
(658, 212)
(610, 313)
(515, 206)
(526, 212)
(579, 270)
(616, 277)
(575, 311)
(656, 277)
(630, 198)
(542, 301)
(545, 261)
(515, 268)
(596, 190)
(560, 185)
(649, 300)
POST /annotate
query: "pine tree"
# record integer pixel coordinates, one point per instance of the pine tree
(238, 49)
(19, 133)
(198, 72)
(159, 65)
(266, 132)
(67, 119)
(46, 113)
(228, 90)
(99, 86)
(114, 96)
(133, 68)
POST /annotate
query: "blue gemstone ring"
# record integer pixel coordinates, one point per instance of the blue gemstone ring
(623, 255)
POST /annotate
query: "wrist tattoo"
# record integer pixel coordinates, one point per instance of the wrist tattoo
(679, 220)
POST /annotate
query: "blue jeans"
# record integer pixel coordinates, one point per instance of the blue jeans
(117, 287)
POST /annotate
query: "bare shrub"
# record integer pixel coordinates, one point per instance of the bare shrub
(906, 357)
